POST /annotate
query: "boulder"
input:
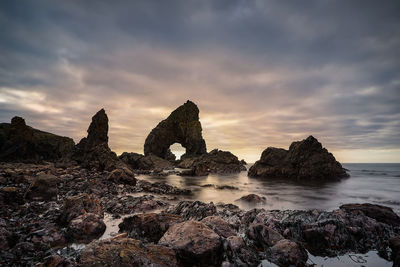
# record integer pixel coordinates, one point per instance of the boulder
(253, 199)
(305, 160)
(148, 227)
(122, 251)
(217, 161)
(140, 162)
(78, 205)
(93, 151)
(182, 126)
(122, 176)
(219, 226)
(377, 212)
(129, 204)
(85, 228)
(19, 142)
(194, 243)
(289, 253)
(263, 236)
(42, 188)
(193, 210)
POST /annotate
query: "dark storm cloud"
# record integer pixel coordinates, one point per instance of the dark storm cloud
(263, 73)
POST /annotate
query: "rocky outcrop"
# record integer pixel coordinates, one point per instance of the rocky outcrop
(193, 210)
(219, 226)
(289, 253)
(194, 243)
(305, 160)
(394, 244)
(19, 142)
(148, 227)
(182, 126)
(217, 161)
(122, 251)
(380, 213)
(93, 151)
(140, 162)
(122, 176)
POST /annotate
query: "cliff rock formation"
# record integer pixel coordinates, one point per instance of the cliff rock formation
(182, 126)
(20, 142)
(305, 159)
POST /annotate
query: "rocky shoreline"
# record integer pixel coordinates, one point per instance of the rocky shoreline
(158, 226)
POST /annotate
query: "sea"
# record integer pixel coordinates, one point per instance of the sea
(376, 183)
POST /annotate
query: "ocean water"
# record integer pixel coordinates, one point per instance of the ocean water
(372, 183)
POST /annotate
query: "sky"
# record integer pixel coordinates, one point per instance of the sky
(263, 73)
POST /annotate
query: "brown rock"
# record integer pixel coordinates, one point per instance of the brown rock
(252, 198)
(263, 235)
(194, 242)
(377, 212)
(122, 176)
(148, 227)
(86, 227)
(394, 244)
(77, 205)
(121, 251)
(289, 253)
(219, 226)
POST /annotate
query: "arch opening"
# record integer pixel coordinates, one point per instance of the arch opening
(178, 150)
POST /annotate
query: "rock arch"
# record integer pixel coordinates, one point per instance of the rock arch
(182, 126)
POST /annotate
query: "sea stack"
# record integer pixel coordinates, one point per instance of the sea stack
(305, 160)
(182, 126)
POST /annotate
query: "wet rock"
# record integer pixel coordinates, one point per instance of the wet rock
(56, 261)
(149, 162)
(148, 227)
(49, 235)
(193, 210)
(394, 243)
(130, 204)
(85, 228)
(219, 226)
(160, 188)
(194, 243)
(252, 198)
(263, 236)
(78, 205)
(379, 213)
(182, 126)
(304, 160)
(122, 251)
(216, 161)
(288, 253)
(43, 187)
(11, 195)
(22, 143)
(93, 151)
(122, 176)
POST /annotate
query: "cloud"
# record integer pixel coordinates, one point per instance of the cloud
(263, 73)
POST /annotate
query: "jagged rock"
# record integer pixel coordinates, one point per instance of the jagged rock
(78, 205)
(182, 126)
(121, 251)
(161, 188)
(19, 142)
(4, 236)
(193, 210)
(43, 187)
(93, 151)
(148, 227)
(289, 253)
(217, 161)
(194, 242)
(140, 162)
(130, 204)
(306, 159)
(263, 235)
(219, 226)
(122, 176)
(378, 212)
(85, 228)
(252, 198)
